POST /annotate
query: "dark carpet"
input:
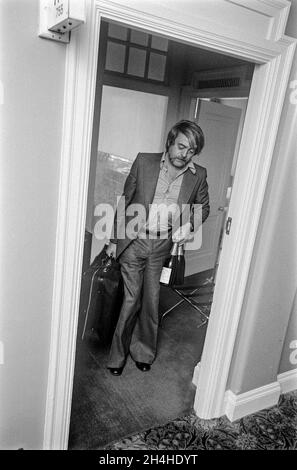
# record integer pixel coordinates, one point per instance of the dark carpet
(107, 408)
(271, 429)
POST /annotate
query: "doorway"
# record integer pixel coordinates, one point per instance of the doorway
(132, 110)
(273, 59)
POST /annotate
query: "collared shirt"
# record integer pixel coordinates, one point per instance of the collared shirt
(164, 205)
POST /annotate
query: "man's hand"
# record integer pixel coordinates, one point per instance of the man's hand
(182, 234)
(111, 249)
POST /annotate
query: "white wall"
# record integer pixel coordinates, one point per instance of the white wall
(263, 331)
(32, 73)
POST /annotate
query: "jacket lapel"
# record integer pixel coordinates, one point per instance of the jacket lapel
(150, 177)
(187, 186)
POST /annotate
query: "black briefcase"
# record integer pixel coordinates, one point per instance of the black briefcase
(101, 297)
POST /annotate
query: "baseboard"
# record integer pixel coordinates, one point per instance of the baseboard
(288, 381)
(196, 374)
(238, 406)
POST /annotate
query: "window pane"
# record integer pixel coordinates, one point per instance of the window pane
(138, 37)
(159, 43)
(115, 57)
(157, 66)
(136, 63)
(117, 31)
(121, 107)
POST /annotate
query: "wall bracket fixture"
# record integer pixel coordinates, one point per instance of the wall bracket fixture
(58, 17)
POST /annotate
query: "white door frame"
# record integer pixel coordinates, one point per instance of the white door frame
(262, 118)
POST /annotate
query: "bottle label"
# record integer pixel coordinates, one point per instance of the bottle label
(165, 275)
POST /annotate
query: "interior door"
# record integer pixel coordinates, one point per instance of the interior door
(220, 126)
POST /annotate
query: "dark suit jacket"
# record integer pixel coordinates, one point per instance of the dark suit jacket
(140, 188)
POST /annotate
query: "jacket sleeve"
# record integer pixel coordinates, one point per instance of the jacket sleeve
(124, 201)
(201, 198)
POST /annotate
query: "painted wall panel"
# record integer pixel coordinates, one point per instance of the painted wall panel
(289, 353)
(269, 299)
(32, 73)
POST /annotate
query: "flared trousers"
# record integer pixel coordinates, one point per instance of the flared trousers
(137, 328)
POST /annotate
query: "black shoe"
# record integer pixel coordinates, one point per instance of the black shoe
(143, 366)
(116, 370)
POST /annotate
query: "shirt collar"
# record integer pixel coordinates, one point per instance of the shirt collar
(189, 165)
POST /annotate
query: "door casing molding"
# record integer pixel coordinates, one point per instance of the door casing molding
(267, 92)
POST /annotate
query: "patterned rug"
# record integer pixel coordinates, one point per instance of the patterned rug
(271, 429)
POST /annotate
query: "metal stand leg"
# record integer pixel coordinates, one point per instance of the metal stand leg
(191, 303)
(186, 299)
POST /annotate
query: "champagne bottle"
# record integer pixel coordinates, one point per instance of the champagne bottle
(169, 269)
(180, 266)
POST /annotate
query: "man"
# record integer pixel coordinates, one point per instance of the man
(169, 180)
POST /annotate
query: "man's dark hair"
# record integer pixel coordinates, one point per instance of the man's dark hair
(191, 130)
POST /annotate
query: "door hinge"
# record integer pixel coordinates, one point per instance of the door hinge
(228, 225)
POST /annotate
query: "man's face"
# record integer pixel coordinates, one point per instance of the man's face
(181, 152)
